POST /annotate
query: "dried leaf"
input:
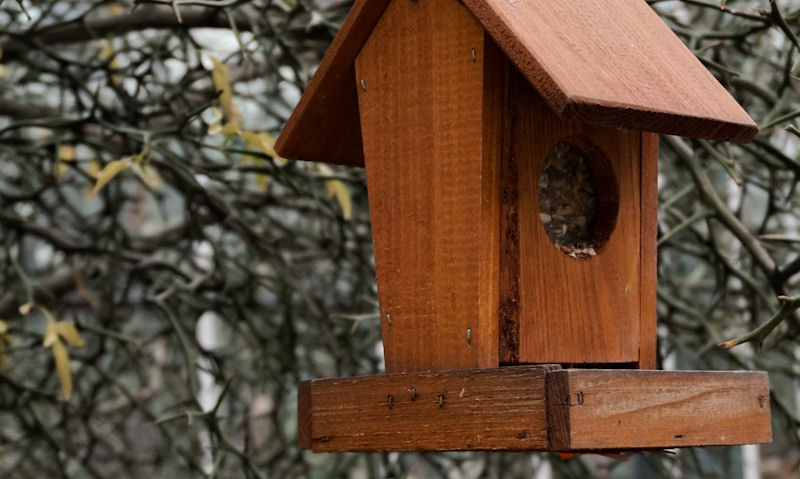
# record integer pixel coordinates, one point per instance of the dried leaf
(338, 190)
(50, 334)
(221, 78)
(144, 170)
(261, 141)
(109, 172)
(61, 358)
(25, 309)
(66, 153)
(5, 340)
(69, 333)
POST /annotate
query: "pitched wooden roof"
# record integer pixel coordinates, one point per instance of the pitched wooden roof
(610, 62)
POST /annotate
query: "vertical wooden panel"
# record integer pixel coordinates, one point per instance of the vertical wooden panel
(304, 410)
(649, 253)
(432, 185)
(509, 234)
(575, 311)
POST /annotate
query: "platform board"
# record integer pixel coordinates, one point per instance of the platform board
(534, 408)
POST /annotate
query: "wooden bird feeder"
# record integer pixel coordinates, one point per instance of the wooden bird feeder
(511, 151)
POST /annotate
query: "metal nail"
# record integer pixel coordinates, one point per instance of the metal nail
(363, 84)
(441, 400)
(390, 398)
(469, 336)
(413, 393)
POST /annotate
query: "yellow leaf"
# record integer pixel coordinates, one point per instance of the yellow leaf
(105, 49)
(50, 334)
(66, 153)
(69, 333)
(338, 190)
(62, 367)
(149, 175)
(93, 168)
(261, 141)
(109, 172)
(25, 308)
(222, 83)
(5, 340)
(230, 129)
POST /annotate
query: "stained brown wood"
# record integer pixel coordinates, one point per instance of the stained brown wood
(432, 156)
(304, 415)
(613, 63)
(576, 311)
(616, 409)
(608, 62)
(648, 317)
(509, 233)
(483, 409)
(325, 125)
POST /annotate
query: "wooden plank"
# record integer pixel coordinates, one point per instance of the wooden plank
(325, 125)
(648, 329)
(483, 409)
(576, 311)
(617, 409)
(613, 63)
(509, 233)
(432, 178)
(304, 414)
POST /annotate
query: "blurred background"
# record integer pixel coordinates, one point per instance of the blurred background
(166, 272)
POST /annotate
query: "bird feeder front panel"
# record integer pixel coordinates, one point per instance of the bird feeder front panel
(579, 240)
(430, 113)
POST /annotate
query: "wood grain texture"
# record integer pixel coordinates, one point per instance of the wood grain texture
(304, 414)
(648, 317)
(613, 63)
(325, 125)
(432, 156)
(618, 409)
(484, 409)
(576, 311)
(509, 232)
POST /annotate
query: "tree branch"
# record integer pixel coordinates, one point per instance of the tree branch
(790, 305)
(155, 16)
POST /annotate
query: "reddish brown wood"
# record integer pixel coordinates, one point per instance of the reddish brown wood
(509, 233)
(431, 149)
(608, 62)
(613, 63)
(649, 253)
(618, 409)
(304, 414)
(483, 409)
(325, 125)
(576, 311)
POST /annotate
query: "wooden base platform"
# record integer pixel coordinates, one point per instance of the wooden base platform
(534, 408)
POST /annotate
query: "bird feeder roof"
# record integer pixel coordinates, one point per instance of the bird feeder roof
(607, 62)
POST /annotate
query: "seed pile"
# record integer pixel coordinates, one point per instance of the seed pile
(567, 207)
